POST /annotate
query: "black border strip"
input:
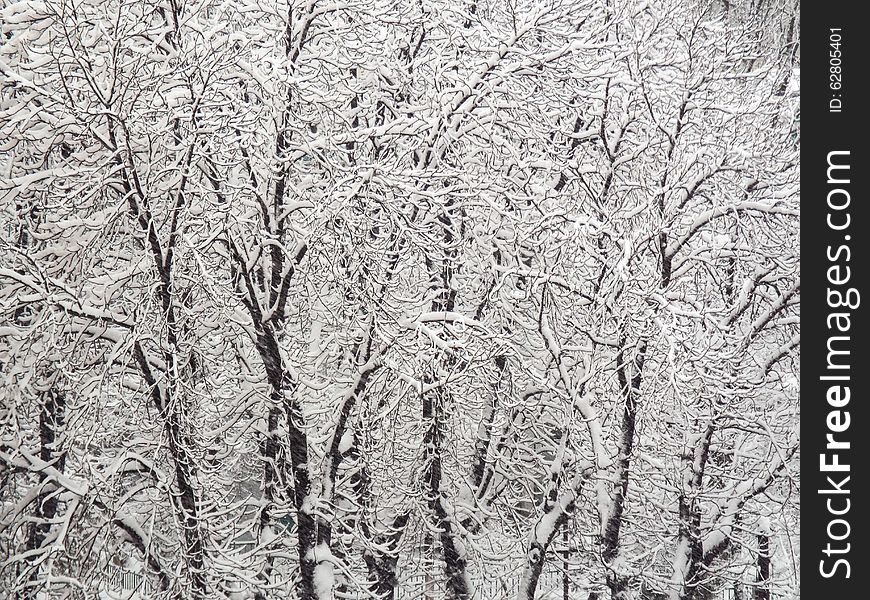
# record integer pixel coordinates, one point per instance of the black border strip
(833, 254)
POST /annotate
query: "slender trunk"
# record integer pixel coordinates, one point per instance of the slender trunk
(382, 562)
(282, 404)
(762, 581)
(275, 289)
(274, 450)
(172, 409)
(558, 507)
(435, 404)
(689, 556)
(282, 399)
(167, 399)
(630, 382)
(272, 476)
(484, 432)
(186, 506)
(557, 511)
(433, 441)
(52, 418)
(297, 444)
(482, 470)
(166, 391)
(566, 555)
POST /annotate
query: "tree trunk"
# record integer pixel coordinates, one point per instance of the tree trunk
(566, 556)
(186, 506)
(454, 556)
(762, 582)
(382, 563)
(630, 382)
(689, 558)
(52, 418)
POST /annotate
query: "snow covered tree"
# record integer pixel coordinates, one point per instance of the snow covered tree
(309, 299)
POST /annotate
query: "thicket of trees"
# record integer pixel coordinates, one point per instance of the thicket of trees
(300, 298)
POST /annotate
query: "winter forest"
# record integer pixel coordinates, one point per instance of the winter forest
(399, 299)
